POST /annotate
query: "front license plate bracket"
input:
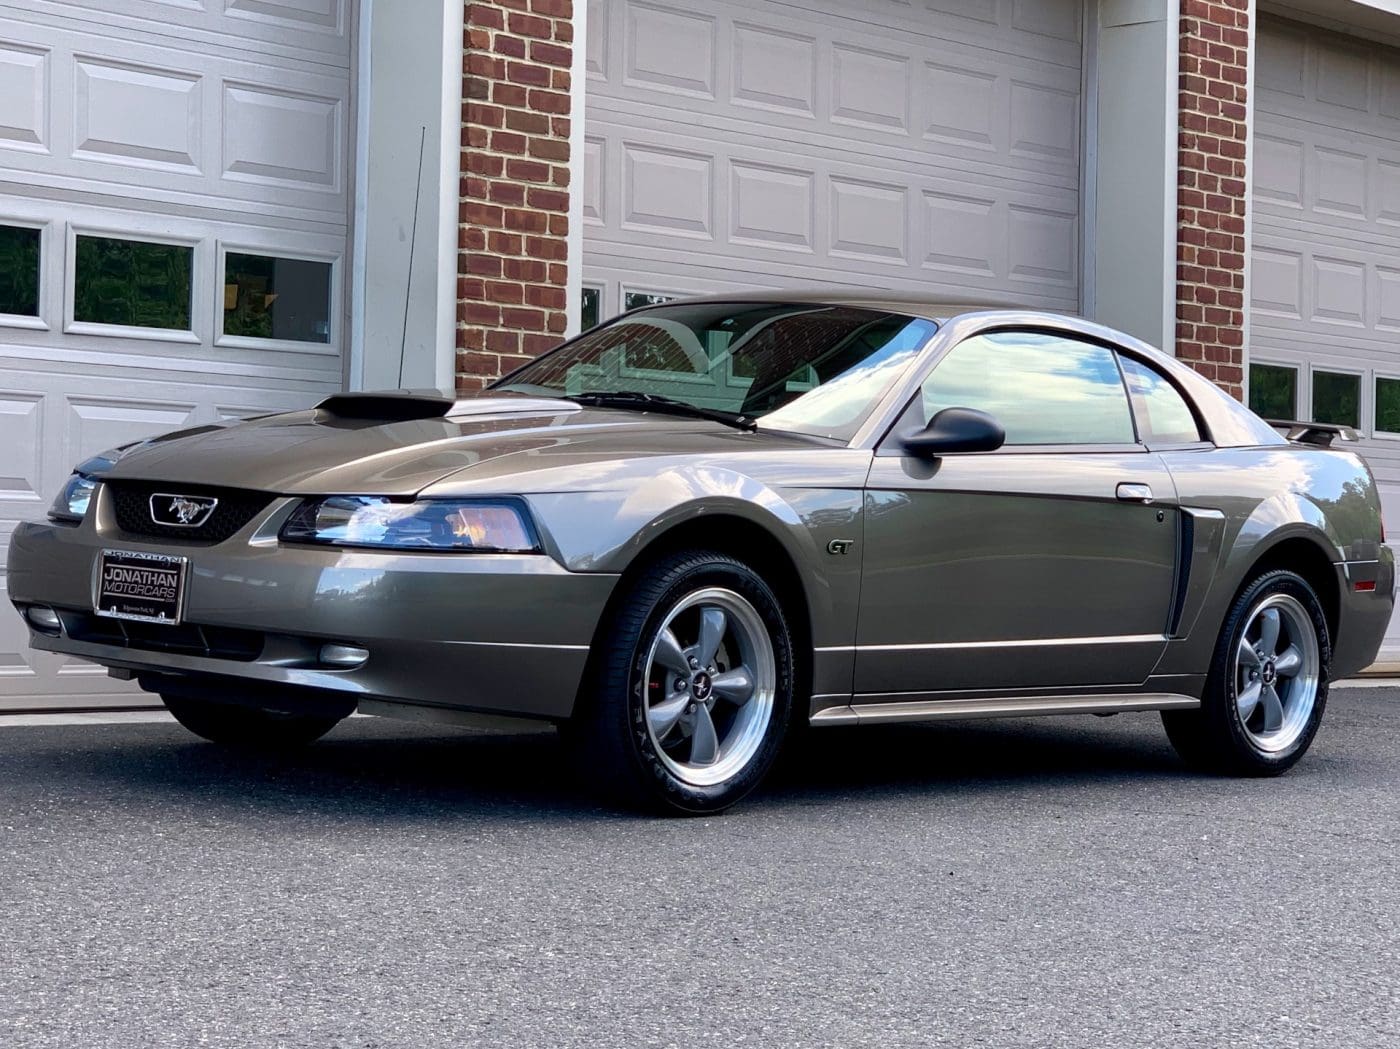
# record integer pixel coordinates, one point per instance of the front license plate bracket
(147, 588)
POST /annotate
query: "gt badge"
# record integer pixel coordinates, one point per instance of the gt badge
(840, 546)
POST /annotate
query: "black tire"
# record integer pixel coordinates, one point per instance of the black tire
(248, 727)
(1213, 738)
(611, 745)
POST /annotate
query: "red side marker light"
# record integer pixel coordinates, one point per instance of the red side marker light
(1364, 586)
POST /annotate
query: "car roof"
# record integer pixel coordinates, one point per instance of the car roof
(1229, 422)
(911, 303)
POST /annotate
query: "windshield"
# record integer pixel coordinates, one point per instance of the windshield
(801, 367)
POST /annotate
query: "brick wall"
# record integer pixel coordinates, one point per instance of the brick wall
(1212, 185)
(511, 271)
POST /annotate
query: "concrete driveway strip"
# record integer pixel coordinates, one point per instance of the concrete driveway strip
(1031, 883)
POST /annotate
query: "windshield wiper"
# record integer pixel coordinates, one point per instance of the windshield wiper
(652, 402)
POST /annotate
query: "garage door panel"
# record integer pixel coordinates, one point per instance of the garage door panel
(921, 93)
(311, 30)
(833, 216)
(155, 119)
(774, 69)
(21, 433)
(52, 418)
(220, 125)
(891, 145)
(1325, 277)
(24, 96)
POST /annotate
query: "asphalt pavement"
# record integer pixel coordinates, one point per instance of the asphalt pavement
(1062, 882)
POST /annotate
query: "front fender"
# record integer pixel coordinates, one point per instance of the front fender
(608, 531)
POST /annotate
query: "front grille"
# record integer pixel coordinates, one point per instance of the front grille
(236, 507)
(187, 638)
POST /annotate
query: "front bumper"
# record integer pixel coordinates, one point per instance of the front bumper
(499, 633)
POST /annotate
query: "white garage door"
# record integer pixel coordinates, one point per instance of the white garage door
(1325, 295)
(927, 146)
(173, 207)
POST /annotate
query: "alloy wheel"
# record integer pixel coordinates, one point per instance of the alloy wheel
(710, 679)
(1277, 673)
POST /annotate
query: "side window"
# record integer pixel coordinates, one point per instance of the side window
(1043, 388)
(1162, 414)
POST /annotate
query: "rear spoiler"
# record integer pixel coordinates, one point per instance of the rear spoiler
(1320, 435)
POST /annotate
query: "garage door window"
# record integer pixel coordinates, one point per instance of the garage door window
(19, 271)
(132, 283)
(590, 309)
(1387, 405)
(287, 300)
(1336, 398)
(1273, 391)
(635, 300)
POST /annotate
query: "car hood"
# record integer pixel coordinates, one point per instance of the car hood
(327, 452)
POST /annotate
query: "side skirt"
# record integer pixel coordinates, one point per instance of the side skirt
(1001, 707)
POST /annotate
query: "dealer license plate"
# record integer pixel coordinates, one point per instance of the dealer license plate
(145, 587)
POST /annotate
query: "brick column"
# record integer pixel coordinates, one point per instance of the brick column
(1212, 189)
(514, 224)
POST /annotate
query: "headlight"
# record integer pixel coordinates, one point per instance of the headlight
(489, 526)
(75, 496)
(73, 499)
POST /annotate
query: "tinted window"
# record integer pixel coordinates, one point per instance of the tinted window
(633, 300)
(133, 282)
(273, 298)
(1336, 398)
(589, 308)
(1044, 389)
(809, 369)
(19, 271)
(1162, 414)
(1273, 391)
(1388, 405)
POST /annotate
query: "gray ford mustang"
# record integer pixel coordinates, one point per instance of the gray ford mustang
(694, 530)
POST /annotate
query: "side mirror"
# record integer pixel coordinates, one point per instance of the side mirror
(955, 430)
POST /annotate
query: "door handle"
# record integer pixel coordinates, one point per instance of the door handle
(1135, 493)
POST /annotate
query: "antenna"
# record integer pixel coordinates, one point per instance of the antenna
(412, 247)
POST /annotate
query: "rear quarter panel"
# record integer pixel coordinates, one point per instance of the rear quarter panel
(1269, 495)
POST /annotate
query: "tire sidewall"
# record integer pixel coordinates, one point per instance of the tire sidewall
(1225, 680)
(697, 573)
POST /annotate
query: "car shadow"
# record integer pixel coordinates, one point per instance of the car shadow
(986, 756)
(374, 770)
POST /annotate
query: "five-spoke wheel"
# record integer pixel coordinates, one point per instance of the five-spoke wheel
(710, 679)
(1276, 672)
(694, 687)
(1267, 687)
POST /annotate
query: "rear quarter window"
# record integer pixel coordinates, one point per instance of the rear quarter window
(1163, 416)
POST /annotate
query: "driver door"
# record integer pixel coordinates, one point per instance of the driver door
(1047, 564)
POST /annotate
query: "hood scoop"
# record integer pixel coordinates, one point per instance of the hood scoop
(401, 405)
(391, 406)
